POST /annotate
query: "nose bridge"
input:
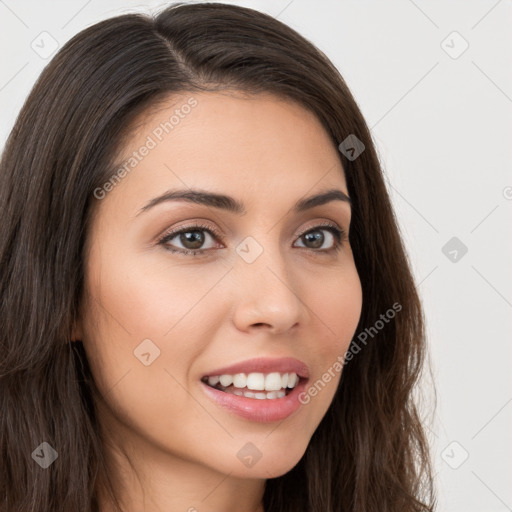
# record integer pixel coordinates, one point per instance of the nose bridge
(266, 291)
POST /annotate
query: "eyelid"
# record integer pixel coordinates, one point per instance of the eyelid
(193, 226)
(323, 224)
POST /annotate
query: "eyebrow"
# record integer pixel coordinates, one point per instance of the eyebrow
(231, 204)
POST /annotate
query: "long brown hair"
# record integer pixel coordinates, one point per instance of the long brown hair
(370, 452)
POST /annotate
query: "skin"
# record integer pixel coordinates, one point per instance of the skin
(205, 312)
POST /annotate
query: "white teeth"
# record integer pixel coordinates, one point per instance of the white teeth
(292, 380)
(273, 382)
(256, 381)
(270, 395)
(226, 380)
(240, 380)
(213, 381)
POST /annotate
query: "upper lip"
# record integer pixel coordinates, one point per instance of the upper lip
(264, 365)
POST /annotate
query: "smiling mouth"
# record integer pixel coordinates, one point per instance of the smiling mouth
(258, 386)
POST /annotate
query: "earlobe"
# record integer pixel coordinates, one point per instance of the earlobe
(76, 332)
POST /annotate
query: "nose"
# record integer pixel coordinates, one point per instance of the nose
(267, 295)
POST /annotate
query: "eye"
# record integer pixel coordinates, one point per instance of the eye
(191, 238)
(315, 238)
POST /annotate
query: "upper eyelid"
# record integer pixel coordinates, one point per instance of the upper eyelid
(322, 224)
(191, 227)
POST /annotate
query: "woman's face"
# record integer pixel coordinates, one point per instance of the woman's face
(265, 289)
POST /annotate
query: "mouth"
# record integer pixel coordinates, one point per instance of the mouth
(256, 385)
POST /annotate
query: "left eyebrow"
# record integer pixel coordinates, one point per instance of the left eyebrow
(230, 204)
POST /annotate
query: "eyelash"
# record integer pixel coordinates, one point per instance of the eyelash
(339, 237)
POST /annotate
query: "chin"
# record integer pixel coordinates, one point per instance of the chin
(268, 460)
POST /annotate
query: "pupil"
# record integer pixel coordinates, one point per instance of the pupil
(317, 237)
(192, 239)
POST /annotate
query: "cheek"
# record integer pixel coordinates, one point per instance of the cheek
(337, 302)
(151, 295)
(136, 299)
(137, 317)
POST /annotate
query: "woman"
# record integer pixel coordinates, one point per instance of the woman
(206, 304)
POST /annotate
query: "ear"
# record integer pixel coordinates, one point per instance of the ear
(76, 331)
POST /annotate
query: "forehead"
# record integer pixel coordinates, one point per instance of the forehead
(250, 144)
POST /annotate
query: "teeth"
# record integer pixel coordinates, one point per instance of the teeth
(240, 380)
(257, 381)
(292, 380)
(273, 382)
(226, 380)
(213, 381)
(270, 395)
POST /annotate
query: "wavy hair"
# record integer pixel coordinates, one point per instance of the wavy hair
(370, 451)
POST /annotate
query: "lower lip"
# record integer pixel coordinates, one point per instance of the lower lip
(262, 411)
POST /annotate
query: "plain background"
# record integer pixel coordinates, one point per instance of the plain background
(440, 115)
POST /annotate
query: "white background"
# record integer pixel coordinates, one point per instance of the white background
(443, 129)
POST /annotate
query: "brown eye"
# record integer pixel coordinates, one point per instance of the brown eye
(316, 238)
(190, 239)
